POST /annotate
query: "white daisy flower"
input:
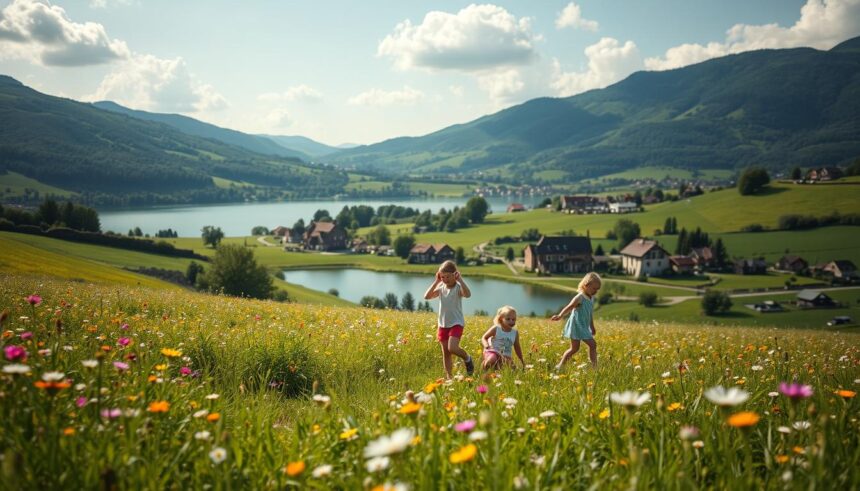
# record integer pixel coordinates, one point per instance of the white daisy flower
(202, 435)
(388, 445)
(377, 464)
(322, 471)
(16, 369)
(218, 455)
(630, 398)
(726, 397)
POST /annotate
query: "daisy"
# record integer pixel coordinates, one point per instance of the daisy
(388, 445)
(218, 455)
(726, 397)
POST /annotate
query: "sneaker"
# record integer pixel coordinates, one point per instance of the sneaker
(470, 366)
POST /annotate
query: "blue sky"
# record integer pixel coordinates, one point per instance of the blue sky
(362, 72)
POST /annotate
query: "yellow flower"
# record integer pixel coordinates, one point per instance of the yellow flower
(161, 366)
(743, 419)
(349, 434)
(416, 440)
(674, 406)
(293, 469)
(604, 414)
(158, 407)
(465, 454)
(171, 353)
(429, 388)
(410, 408)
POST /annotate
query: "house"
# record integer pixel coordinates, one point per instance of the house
(582, 204)
(703, 257)
(559, 255)
(790, 262)
(324, 236)
(824, 174)
(359, 246)
(623, 207)
(644, 257)
(516, 207)
(841, 268)
(384, 250)
(280, 231)
(768, 306)
(430, 253)
(813, 299)
(751, 266)
(682, 264)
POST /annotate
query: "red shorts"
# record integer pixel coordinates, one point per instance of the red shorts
(443, 333)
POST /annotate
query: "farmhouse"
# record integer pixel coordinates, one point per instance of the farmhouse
(792, 263)
(751, 266)
(280, 231)
(623, 207)
(682, 264)
(814, 298)
(582, 204)
(360, 246)
(644, 258)
(703, 257)
(430, 253)
(559, 255)
(824, 174)
(841, 268)
(516, 207)
(324, 236)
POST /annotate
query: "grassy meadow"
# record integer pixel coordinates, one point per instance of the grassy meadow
(182, 390)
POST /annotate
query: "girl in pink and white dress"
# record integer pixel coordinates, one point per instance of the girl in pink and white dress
(502, 340)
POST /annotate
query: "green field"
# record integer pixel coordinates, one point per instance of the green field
(659, 173)
(13, 185)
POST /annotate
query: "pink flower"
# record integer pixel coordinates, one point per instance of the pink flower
(465, 426)
(123, 341)
(15, 353)
(26, 335)
(111, 413)
(81, 401)
(795, 391)
(482, 389)
(120, 365)
(124, 327)
(34, 300)
(185, 371)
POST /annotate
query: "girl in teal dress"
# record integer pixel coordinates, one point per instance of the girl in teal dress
(580, 325)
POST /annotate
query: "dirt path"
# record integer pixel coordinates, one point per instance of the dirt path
(265, 242)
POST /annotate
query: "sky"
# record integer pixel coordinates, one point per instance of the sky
(362, 72)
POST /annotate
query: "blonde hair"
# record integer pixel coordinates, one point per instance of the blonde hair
(588, 279)
(448, 266)
(501, 313)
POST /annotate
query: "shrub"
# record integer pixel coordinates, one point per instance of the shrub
(648, 299)
(716, 302)
(234, 271)
(604, 298)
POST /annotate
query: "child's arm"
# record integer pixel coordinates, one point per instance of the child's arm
(574, 303)
(464, 290)
(518, 350)
(432, 292)
(593, 331)
(485, 339)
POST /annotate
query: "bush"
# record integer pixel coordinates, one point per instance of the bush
(753, 227)
(281, 296)
(752, 181)
(234, 271)
(333, 291)
(716, 302)
(648, 299)
(403, 244)
(604, 298)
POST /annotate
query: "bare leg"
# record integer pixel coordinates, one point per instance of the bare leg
(592, 351)
(446, 360)
(490, 363)
(454, 348)
(574, 347)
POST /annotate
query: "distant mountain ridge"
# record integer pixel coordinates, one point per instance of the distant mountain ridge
(303, 144)
(777, 108)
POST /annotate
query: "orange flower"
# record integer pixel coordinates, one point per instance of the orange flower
(845, 394)
(158, 407)
(465, 454)
(69, 431)
(52, 385)
(781, 459)
(213, 417)
(429, 388)
(293, 469)
(743, 419)
(171, 353)
(410, 408)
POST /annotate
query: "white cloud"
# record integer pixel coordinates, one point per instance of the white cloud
(456, 90)
(378, 97)
(278, 119)
(822, 24)
(44, 34)
(101, 4)
(608, 62)
(501, 85)
(571, 16)
(154, 84)
(295, 93)
(476, 38)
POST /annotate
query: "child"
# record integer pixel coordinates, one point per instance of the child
(497, 353)
(451, 289)
(580, 324)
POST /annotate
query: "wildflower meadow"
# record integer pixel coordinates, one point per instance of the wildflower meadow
(112, 386)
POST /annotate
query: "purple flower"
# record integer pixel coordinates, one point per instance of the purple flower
(185, 371)
(120, 365)
(795, 391)
(34, 300)
(465, 426)
(26, 335)
(81, 401)
(123, 341)
(482, 389)
(111, 413)
(15, 353)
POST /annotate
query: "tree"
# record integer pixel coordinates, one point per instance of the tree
(796, 174)
(682, 247)
(320, 214)
(604, 298)
(234, 271)
(298, 228)
(476, 209)
(192, 272)
(403, 244)
(721, 254)
(460, 256)
(626, 231)
(599, 250)
(211, 235)
(371, 302)
(49, 212)
(260, 230)
(379, 236)
(648, 299)
(716, 302)
(667, 227)
(138, 232)
(391, 301)
(752, 181)
(407, 303)
(509, 254)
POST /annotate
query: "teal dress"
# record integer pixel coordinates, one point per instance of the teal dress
(578, 325)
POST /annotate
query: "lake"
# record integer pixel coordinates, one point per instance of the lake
(487, 293)
(237, 219)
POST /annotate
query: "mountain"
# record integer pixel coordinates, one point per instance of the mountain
(191, 126)
(777, 108)
(113, 158)
(309, 147)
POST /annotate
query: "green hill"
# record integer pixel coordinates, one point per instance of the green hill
(777, 108)
(303, 144)
(117, 159)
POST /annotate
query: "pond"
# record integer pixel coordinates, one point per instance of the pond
(488, 294)
(237, 219)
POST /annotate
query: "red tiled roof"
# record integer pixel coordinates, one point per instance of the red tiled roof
(639, 247)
